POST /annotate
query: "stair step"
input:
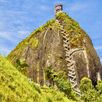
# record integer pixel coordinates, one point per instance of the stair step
(65, 36)
(69, 57)
(72, 62)
(66, 45)
(73, 81)
(66, 49)
(72, 73)
(68, 53)
(69, 65)
(64, 31)
(68, 61)
(71, 68)
(73, 78)
(74, 85)
(66, 41)
(77, 91)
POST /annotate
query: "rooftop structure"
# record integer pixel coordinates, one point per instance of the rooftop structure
(58, 8)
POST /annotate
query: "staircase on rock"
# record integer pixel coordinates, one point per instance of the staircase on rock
(72, 75)
(62, 44)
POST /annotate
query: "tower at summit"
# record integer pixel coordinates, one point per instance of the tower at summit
(58, 8)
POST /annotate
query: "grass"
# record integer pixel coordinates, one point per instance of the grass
(15, 87)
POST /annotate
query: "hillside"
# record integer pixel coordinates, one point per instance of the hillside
(15, 87)
(56, 63)
(47, 46)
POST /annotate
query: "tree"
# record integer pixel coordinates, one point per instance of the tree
(61, 82)
(22, 65)
(88, 92)
(99, 91)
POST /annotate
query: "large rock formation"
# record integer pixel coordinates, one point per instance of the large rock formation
(61, 44)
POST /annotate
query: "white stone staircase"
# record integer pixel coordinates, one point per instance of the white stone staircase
(72, 76)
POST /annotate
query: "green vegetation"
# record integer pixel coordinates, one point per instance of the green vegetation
(58, 78)
(33, 42)
(90, 93)
(15, 87)
(22, 66)
(73, 29)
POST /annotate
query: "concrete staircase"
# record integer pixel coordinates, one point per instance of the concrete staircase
(72, 75)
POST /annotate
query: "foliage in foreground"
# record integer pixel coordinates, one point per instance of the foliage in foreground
(58, 78)
(15, 87)
(89, 93)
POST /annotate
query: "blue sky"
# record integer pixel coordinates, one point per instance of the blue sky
(18, 18)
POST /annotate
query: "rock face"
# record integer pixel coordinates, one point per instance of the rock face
(48, 47)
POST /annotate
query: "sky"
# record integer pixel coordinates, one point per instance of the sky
(18, 18)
